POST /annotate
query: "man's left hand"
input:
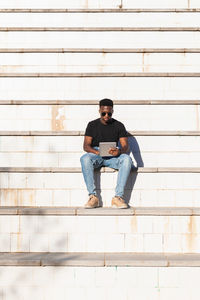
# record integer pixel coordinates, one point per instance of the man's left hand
(114, 151)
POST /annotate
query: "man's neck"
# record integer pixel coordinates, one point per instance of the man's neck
(106, 123)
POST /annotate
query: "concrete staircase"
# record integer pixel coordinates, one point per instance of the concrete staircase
(57, 60)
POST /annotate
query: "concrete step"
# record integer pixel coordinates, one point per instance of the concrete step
(170, 88)
(95, 102)
(99, 50)
(67, 117)
(84, 21)
(65, 151)
(105, 4)
(160, 187)
(100, 211)
(105, 282)
(81, 133)
(176, 231)
(101, 74)
(103, 170)
(99, 10)
(98, 29)
(100, 260)
(112, 39)
(99, 62)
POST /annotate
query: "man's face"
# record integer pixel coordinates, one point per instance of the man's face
(106, 113)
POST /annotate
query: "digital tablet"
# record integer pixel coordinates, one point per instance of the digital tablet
(104, 147)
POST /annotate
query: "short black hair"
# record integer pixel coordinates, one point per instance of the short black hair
(105, 102)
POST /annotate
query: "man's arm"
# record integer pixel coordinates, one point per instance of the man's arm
(124, 147)
(124, 144)
(87, 145)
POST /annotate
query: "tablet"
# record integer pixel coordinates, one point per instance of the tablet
(104, 147)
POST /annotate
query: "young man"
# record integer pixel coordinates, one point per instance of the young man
(105, 129)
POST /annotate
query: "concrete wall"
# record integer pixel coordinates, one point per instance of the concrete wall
(160, 234)
(150, 189)
(174, 76)
(99, 283)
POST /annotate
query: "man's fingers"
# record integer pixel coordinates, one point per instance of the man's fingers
(113, 149)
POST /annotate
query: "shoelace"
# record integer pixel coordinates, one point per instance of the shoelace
(120, 199)
(92, 197)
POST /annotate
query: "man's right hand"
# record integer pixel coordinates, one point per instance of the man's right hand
(97, 152)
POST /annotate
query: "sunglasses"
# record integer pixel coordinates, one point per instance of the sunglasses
(104, 113)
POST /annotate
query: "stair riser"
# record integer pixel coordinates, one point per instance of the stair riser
(100, 234)
(96, 62)
(78, 197)
(71, 181)
(76, 117)
(66, 151)
(61, 4)
(105, 39)
(68, 144)
(100, 20)
(114, 88)
(162, 189)
(103, 4)
(87, 283)
(163, 4)
(71, 160)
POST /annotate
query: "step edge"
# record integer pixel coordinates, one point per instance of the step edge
(99, 259)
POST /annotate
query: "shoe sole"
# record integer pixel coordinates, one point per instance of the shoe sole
(92, 206)
(115, 206)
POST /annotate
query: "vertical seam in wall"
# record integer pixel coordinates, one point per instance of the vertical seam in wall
(121, 4)
(188, 3)
(158, 279)
(10, 242)
(197, 116)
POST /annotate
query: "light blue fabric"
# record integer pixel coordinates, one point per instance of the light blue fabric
(91, 161)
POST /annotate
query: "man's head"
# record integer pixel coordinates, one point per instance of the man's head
(105, 110)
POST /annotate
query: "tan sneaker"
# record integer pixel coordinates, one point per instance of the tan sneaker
(92, 202)
(118, 202)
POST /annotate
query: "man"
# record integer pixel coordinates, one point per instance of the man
(105, 129)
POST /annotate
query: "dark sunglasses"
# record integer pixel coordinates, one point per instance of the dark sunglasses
(104, 113)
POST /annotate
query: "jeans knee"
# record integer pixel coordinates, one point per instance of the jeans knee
(89, 159)
(85, 159)
(126, 159)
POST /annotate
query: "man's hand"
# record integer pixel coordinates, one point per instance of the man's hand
(114, 151)
(96, 152)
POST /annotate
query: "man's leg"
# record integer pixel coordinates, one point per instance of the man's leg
(89, 162)
(123, 163)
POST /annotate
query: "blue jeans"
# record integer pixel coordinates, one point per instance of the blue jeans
(91, 161)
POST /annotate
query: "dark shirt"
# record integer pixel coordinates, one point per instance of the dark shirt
(99, 132)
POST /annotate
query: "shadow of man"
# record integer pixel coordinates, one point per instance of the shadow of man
(134, 150)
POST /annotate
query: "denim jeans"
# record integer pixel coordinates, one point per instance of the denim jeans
(91, 161)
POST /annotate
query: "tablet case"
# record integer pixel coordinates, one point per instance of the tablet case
(104, 148)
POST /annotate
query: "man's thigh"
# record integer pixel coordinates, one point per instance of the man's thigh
(111, 162)
(115, 162)
(97, 160)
